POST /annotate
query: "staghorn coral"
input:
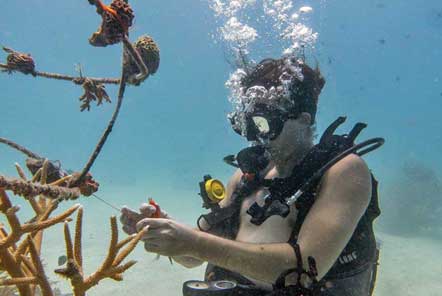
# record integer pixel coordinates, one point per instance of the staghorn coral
(6, 290)
(141, 76)
(18, 229)
(79, 179)
(20, 258)
(53, 174)
(121, 13)
(111, 267)
(49, 184)
(28, 189)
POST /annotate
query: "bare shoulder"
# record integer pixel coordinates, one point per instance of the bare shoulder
(349, 179)
(351, 164)
(231, 186)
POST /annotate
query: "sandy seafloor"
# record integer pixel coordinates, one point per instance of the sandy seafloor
(408, 266)
(381, 60)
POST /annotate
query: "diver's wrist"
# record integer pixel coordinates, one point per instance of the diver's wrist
(195, 243)
(208, 247)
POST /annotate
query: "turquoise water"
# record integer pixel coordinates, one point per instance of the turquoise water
(381, 60)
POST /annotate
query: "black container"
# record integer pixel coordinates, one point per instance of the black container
(212, 288)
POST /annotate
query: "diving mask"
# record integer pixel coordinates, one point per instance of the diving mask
(260, 122)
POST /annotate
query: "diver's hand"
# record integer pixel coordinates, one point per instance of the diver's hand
(167, 237)
(129, 218)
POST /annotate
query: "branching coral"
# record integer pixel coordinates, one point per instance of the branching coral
(20, 258)
(79, 179)
(116, 21)
(28, 189)
(111, 267)
(6, 290)
(50, 184)
(120, 13)
(53, 174)
(17, 229)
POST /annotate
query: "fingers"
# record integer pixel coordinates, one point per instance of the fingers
(152, 235)
(129, 229)
(165, 215)
(151, 247)
(153, 223)
(134, 221)
(141, 224)
(129, 216)
(147, 210)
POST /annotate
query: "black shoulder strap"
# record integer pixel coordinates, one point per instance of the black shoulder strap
(373, 210)
(328, 147)
(253, 159)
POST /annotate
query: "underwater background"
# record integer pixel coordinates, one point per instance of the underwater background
(381, 61)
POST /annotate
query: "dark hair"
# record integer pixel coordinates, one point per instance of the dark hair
(303, 93)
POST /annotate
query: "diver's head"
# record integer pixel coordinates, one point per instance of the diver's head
(279, 102)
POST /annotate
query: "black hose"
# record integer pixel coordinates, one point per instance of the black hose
(369, 146)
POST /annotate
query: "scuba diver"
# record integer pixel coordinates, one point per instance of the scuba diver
(295, 218)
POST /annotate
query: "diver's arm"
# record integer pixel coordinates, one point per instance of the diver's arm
(187, 261)
(343, 198)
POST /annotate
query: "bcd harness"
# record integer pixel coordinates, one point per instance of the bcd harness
(299, 188)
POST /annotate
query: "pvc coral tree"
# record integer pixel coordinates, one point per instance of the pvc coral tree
(49, 185)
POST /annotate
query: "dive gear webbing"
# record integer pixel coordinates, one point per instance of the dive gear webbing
(329, 150)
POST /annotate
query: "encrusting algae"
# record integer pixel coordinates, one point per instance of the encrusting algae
(21, 268)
